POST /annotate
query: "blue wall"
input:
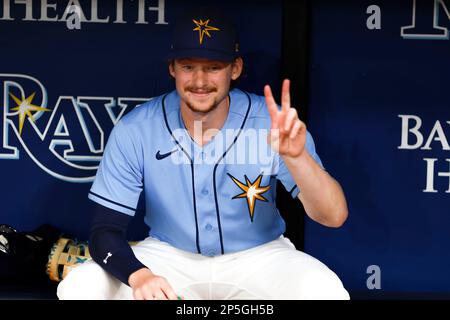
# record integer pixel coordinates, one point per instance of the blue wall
(362, 81)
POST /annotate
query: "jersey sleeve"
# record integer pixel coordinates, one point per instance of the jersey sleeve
(283, 173)
(119, 178)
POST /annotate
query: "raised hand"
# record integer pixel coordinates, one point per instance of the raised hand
(287, 133)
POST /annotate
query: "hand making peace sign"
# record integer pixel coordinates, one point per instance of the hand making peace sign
(287, 133)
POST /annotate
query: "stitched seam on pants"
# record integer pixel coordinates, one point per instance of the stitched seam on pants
(194, 284)
(241, 288)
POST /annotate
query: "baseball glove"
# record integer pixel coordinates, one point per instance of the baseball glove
(65, 255)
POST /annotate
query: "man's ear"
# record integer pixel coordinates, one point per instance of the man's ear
(172, 68)
(236, 68)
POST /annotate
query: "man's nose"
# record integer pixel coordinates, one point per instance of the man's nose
(200, 78)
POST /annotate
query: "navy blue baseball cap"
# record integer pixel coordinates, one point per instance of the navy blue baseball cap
(204, 33)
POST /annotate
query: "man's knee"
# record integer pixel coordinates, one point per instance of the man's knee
(87, 282)
(322, 284)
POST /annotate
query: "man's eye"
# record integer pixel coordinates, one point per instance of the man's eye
(214, 68)
(187, 67)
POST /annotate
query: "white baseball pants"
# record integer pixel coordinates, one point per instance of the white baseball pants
(273, 271)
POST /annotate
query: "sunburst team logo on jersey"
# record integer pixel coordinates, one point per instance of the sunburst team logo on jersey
(252, 192)
(65, 139)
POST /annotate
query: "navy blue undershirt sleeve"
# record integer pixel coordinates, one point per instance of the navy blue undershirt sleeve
(108, 244)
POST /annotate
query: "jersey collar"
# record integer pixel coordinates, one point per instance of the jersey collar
(240, 104)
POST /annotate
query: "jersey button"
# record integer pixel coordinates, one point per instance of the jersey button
(208, 227)
(202, 155)
(205, 192)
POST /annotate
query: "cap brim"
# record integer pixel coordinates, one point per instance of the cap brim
(202, 53)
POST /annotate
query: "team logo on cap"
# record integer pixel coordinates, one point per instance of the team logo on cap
(202, 27)
(252, 191)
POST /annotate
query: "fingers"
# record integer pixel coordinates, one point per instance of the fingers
(285, 103)
(285, 118)
(289, 120)
(285, 96)
(151, 295)
(273, 139)
(160, 295)
(168, 291)
(271, 106)
(156, 288)
(143, 294)
(296, 129)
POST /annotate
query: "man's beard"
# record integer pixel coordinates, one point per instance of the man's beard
(196, 109)
(210, 108)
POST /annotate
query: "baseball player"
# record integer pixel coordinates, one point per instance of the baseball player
(208, 157)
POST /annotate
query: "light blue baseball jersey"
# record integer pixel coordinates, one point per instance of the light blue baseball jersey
(212, 199)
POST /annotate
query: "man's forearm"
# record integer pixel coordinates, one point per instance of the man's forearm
(321, 195)
(108, 245)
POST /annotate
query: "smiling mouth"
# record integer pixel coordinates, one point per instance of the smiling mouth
(200, 93)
